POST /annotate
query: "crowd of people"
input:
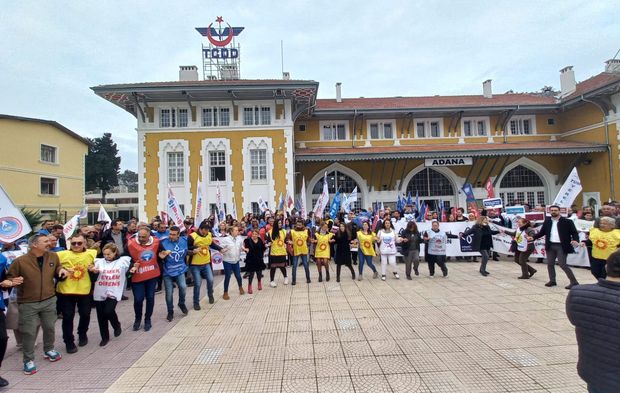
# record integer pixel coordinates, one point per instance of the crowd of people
(51, 277)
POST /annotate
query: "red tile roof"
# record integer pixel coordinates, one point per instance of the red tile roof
(217, 82)
(601, 80)
(435, 101)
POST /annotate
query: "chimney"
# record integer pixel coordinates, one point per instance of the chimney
(286, 75)
(338, 92)
(486, 89)
(188, 73)
(612, 65)
(567, 81)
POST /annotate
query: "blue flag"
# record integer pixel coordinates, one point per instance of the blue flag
(409, 200)
(469, 192)
(335, 206)
(399, 204)
(422, 212)
(417, 202)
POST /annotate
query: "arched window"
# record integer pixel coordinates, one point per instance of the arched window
(522, 185)
(337, 180)
(430, 183)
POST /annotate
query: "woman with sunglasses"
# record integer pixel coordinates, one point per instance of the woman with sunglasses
(75, 291)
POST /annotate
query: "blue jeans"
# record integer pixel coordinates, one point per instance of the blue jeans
(365, 259)
(229, 268)
(144, 290)
(198, 273)
(180, 281)
(304, 260)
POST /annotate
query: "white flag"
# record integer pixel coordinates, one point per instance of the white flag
(233, 210)
(103, 216)
(569, 191)
(199, 214)
(84, 212)
(70, 226)
(219, 203)
(261, 204)
(352, 197)
(302, 198)
(174, 210)
(319, 207)
(13, 224)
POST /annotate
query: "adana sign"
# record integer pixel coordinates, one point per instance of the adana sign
(455, 161)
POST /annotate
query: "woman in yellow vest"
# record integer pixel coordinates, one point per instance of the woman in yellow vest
(298, 238)
(604, 240)
(75, 291)
(275, 240)
(366, 249)
(322, 251)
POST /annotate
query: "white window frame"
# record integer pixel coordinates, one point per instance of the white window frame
(474, 123)
(334, 124)
(56, 186)
(55, 154)
(427, 127)
(259, 179)
(182, 168)
(380, 129)
(175, 116)
(187, 112)
(519, 125)
(216, 116)
(257, 115)
(223, 154)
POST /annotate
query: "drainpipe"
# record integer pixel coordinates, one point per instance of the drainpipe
(612, 186)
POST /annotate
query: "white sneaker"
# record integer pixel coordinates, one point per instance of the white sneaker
(285, 280)
(383, 277)
(396, 276)
(272, 284)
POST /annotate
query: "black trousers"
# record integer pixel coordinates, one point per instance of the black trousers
(3, 336)
(106, 312)
(67, 305)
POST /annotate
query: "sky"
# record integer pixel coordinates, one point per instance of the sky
(52, 52)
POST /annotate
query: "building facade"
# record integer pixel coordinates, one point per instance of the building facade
(42, 166)
(260, 138)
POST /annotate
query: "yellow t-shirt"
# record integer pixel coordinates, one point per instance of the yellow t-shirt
(366, 243)
(77, 283)
(278, 247)
(322, 245)
(202, 243)
(300, 242)
(604, 243)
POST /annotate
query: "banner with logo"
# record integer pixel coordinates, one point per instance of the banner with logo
(70, 226)
(569, 191)
(104, 216)
(501, 242)
(199, 214)
(13, 224)
(302, 198)
(319, 207)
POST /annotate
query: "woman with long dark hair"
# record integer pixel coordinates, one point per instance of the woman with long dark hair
(523, 245)
(343, 239)
(410, 240)
(275, 240)
(482, 241)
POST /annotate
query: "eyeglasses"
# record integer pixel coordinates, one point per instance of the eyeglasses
(76, 243)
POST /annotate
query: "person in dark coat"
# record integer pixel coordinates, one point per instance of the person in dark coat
(482, 241)
(343, 249)
(594, 309)
(523, 246)
(254, 248)
(410, 239)
(561, 238)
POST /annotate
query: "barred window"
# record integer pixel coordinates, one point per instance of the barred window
(429, 182)
(521, 177)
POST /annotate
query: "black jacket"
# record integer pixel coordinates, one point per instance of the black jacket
(107, 238)
(594, 309)
(483, 237)
(412, 243)
(566, 231)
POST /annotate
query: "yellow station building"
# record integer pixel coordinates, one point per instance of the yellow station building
(42, 166)
(259, 138)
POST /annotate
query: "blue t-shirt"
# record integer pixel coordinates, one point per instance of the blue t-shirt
(174, 264)
(3, 267)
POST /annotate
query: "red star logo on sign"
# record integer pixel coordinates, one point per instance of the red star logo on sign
(219, 19)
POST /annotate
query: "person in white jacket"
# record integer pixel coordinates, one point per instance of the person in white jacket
(387, 238)
(231, 244)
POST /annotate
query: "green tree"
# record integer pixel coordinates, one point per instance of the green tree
(129, 179)
(33, 217)
(102, 165)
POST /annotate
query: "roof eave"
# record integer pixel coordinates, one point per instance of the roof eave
(381, 111)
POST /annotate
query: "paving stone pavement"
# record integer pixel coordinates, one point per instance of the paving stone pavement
(462, 333)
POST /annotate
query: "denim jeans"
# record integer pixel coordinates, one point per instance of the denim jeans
(304, 260)
(144, 290)
(365, 259)
(180, 281)
(199, 272)
(229, 269)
